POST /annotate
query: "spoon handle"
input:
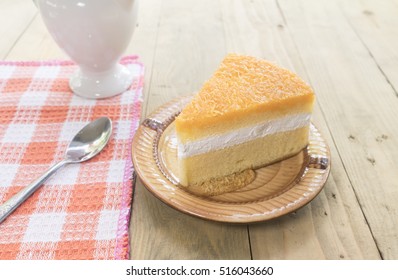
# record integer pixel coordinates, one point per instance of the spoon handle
(10, 205)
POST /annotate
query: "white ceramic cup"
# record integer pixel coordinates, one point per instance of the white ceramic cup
(94, 34)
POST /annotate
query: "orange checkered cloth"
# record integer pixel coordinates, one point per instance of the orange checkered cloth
(83, 211)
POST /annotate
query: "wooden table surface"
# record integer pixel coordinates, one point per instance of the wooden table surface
(346, 50)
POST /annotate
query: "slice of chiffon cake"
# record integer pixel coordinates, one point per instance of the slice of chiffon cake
(249, 114)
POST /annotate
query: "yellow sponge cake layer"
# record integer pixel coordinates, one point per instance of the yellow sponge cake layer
(244, 90)
(251, 154)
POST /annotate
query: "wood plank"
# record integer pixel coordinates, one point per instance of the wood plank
(16, 16)
(376, 22)
(359, 106)
(41, 45)
(189, 46)
(332, 226)
(144, 41)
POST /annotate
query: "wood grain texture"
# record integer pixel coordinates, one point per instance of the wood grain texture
(347, 50)
(359, 107)
(36, 44)
(190, 45)
(332, 226)
(15, 16)
(144, 42)
(375, 23)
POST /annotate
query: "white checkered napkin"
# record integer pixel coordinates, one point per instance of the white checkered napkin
(83, 211)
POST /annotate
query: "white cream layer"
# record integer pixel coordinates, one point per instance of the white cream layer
(244, 134)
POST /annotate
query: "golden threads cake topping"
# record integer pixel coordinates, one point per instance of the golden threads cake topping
(242, 83)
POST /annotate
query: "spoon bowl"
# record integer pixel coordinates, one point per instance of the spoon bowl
(89, 141)
(86, 144)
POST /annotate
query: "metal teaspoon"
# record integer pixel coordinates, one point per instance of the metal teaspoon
(87, 143)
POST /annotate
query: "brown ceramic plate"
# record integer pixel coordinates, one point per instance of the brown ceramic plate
(277, 190)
